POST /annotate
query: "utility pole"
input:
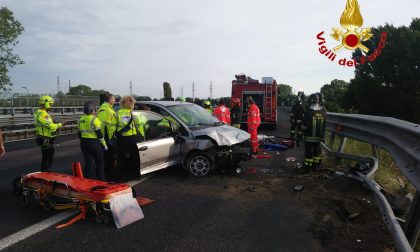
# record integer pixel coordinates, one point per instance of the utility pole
(58, 84)
(211, 89)
(131, 89)
(182, 91)
(193, 91)
(69, 86)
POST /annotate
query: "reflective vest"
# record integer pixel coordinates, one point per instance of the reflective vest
(223, 114)
(254, 116)
(108, 119)
(209, 110)
(313, 126)
(165, 122)
(44, 124)
(88, 126)
(124, 117)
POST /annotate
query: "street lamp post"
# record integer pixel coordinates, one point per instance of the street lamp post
(27, 94)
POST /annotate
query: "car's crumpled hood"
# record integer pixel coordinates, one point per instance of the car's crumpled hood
(224, 135)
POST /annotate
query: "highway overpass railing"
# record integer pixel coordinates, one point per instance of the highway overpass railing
(402, 140)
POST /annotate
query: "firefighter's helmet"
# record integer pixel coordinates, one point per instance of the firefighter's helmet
(321, 98)
(47, 101)
(207, 103)
(313, 99)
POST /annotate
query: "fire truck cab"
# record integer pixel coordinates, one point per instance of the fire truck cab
(264, 95)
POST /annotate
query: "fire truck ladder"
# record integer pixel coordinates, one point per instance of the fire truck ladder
(268, 100)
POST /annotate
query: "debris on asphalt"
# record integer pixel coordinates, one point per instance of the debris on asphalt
(410, 196)
(354, 215)
(401, 181)
(326, 218)
(298, 188)
(251, 189)
(359, 241)
(290, 159)
(368, 201)
(251, 170)
(261, 156)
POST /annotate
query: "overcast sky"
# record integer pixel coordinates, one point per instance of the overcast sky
(105, 44)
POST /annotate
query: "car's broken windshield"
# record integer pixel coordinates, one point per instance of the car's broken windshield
(194, 115)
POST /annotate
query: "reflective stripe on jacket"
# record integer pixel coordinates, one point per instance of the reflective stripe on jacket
(124, 117)
(44, 124)
(223, 114)
(313, 126)
(89, 126)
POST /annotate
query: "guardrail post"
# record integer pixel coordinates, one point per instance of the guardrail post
(374, 151)
(342, 144)
(412, 227)
(332, 138)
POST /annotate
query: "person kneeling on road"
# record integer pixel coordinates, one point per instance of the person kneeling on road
(92, 143)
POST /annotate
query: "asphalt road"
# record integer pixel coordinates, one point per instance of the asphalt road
(218, 213)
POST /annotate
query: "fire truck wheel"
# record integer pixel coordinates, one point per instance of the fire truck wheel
(272, 126)
(24, 199)
(17, 185)
(48, 204)
(199, 164)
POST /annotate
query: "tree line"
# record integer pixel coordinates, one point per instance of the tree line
(388, 86)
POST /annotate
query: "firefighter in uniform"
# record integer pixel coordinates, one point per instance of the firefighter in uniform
(207, 106)
(222, 113)
(107, 116)
(313, 126)
(296, 117)
(45, 130)
(254, 122)
(92, 143)
(236, 113)
(130, 131)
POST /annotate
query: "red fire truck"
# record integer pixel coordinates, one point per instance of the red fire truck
(264, 95)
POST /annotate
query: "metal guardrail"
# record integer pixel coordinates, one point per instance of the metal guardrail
(21, 127)
(33, 100)
(13, 111)
(402, 140)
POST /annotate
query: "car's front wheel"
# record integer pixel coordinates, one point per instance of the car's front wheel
(199, 164)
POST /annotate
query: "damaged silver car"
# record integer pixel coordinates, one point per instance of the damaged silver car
(181, 133)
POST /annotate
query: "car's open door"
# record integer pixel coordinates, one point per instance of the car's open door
(159, 149)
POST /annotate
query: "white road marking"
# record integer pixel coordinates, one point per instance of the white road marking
(40, 226)
(135, 182)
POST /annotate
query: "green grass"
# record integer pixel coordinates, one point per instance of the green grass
(388, 172)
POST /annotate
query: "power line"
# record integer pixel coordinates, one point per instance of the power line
(193, 91)
(58, 84)
(211, 89)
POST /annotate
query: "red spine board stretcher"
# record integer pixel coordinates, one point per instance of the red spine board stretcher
(71, 186)
(48, 188)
